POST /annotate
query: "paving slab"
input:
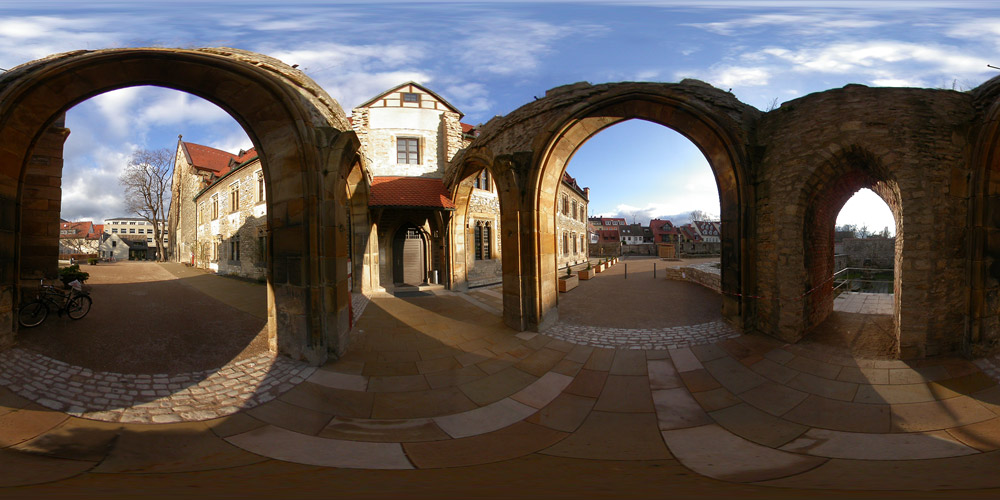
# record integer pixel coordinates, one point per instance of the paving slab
(816, 411)
(716, 399)
(172, 448)
(934, 415)
(419, 404)
(983, 436)
(828, 388)
(488, 418)
(677, 409)
(26, 423)
(625, 393)
(877, 446)
(337, 380)
(963, 473)
(733, 375)
(773, 398)
(565, 413)
(685, 360)
(757, 426)
(732, 458)
(614, 436)
(383, 430)
(663, 375)
(588, 383)
(20, 468)
(497, 386)
(74, 439)
(542, 391)
(511, 442)
(283, 444)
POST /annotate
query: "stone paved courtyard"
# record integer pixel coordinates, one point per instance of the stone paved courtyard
(439, 399)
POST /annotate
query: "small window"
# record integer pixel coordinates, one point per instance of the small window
(407, 151)
(411, 97)
(114, 243)
(234, 196)
(260, 186)
(114, 230)
(234, 247)
(215, 206)
(131, 231)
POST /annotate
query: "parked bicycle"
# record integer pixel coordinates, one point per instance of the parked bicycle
(75, 303)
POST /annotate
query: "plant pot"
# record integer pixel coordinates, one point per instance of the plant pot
(586, 274)
(568, 283)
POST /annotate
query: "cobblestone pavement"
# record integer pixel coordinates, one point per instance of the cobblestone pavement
(358, 304)
(158, 398)
(656, 339)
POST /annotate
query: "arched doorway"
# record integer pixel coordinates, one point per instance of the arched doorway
(409, 265)
(716, 135)
(847, 172)
(288, 117)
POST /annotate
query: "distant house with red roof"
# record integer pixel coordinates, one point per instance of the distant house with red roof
(78, 238)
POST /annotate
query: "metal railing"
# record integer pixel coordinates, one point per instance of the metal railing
(862, 279)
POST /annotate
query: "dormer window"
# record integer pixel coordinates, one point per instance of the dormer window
(411, 97)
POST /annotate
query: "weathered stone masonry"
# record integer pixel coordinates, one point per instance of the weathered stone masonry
(782, 176)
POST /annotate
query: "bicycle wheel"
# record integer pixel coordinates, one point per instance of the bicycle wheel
(32, 314)
(78, 307)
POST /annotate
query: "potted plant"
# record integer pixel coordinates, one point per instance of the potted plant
(70, 273)
(586, 274)
(569, 281)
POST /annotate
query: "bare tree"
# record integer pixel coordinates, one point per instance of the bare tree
(146, 179)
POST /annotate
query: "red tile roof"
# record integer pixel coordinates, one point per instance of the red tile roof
(409, 192)
(206, 158)
(467, 129)
(79, 229)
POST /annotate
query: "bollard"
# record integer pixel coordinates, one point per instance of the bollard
(626, 270)
(654, 270)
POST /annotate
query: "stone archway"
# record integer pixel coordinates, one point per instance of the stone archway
(292, 121)
(673, 106)
(829, 189)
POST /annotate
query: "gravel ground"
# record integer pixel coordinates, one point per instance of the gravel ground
(147, 320)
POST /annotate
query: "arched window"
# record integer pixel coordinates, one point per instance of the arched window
(482, 180)
(482, 240)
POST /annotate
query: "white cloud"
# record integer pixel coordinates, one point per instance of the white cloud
(975, 28)
(879, 56)
(175, 108)
(468, 97)
(90, 189)
(505, 46)
(803, 24)
(232, 143)
(27, 38)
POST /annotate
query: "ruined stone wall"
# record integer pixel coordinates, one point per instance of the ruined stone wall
(878, 252)
(913, 142)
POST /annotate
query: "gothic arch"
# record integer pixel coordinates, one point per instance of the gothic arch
(715, 133)
(829, 188)
(291, 121)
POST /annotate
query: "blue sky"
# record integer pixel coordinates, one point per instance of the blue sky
(490, 58)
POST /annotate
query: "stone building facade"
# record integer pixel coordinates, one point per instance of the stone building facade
(407, 135)
(571, 222)
(232, 222)
(483, 256)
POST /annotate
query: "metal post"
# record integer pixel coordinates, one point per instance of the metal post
(654, 270)
(626, 270)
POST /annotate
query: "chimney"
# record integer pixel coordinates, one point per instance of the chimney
(586, 193)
